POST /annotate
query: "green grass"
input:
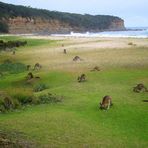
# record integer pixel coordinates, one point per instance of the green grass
(30, 42)
(77, 121)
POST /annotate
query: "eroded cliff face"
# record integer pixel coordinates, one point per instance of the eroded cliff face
(20, 25)
(117, 25)
(36, 25)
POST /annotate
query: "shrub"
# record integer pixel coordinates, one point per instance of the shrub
(3, 27)
(40, 87)
(24, 99)
(6, 103)
(2, 108)
(16, 101)
(49, 98)
(11, 44)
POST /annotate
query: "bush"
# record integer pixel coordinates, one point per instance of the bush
(11, 44)
(2, 108)
(40, 87)
(24, 99)
(6, 103)
(3, 27)
(49, 98)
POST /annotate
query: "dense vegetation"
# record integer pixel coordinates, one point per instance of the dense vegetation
(86, 21)
(3, 27)
(11, 44)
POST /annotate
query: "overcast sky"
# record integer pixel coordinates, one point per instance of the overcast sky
(134, 12)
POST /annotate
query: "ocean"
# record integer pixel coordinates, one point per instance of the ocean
(134, 32)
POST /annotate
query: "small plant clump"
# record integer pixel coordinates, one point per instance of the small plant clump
(7, 103)
(24, 99)
(11, 102)
(50, 98)
(16, 101)
(40, 87)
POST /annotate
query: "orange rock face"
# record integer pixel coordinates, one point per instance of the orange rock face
(36, 25)
(20, 25)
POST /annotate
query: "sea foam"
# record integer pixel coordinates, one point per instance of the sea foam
(129, 33)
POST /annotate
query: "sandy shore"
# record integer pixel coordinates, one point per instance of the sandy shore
(97, 42)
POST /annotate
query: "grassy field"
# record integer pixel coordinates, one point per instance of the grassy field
(77, 121)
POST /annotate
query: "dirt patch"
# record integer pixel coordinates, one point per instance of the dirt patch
(14, 140)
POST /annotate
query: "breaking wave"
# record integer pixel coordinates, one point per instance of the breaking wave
(130, 32)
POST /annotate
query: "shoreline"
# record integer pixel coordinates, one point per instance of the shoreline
(80, 35)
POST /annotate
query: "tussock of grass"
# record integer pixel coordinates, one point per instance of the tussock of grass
(49, 98)
(40, 87)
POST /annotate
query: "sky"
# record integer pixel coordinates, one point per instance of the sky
(134, 12)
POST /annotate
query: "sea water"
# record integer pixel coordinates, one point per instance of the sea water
(141, 32)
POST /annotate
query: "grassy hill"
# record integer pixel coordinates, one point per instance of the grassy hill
(77, 121)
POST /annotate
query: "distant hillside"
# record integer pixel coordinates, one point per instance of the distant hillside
(21, 19)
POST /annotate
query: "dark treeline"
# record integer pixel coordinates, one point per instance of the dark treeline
(11, 44)
(86, 21)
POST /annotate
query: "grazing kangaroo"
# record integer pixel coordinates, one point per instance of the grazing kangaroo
(64, 51)
(82, 78)
(96, 68)
(106, 102)
(76, 58)
(140, 88)
(28, 67)
(37, 66)
(30, 76)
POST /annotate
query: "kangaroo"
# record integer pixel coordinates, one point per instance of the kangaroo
(82, 78)
(28, 67)
(37, 66)
(140, 88)
(96, 68)
(106, 102)
(65, 51)
(76, 58)
(30, 76)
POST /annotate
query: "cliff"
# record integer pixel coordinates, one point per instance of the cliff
(19, 19)
(20, 25)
